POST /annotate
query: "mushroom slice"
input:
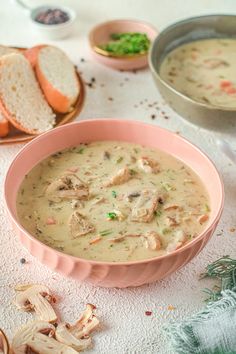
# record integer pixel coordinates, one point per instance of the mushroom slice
(179, 240)
(145, 206)
(77, 335)
(37, 298)
(79, 225)
(86, 323)
(38, 337)
(67, 187)
(64, 335)
(152, 240)
(148, 165)
(172, 221)
(4, 344)
(120, 177)
(42, 344)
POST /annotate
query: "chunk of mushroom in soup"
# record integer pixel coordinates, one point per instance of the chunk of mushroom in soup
(137, 204)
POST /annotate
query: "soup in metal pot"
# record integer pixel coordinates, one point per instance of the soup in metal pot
(204, 70)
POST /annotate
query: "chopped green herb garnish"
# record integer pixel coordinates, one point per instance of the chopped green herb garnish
(132, 172)
(166, 231)
(80, 151)
(114, 194)
(112, 215)
(207, 208)
(158, 213)
(167, 186)
(119, 159)
(105, 232)
(128, 43)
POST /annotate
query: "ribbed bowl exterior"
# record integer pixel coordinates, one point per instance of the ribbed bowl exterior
(108, 274)
(116, 275)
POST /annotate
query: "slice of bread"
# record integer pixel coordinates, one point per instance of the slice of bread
(4, 126)
(21, 100)
(56, 75)
(4, 50)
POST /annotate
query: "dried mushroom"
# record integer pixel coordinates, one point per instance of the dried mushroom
(178, 241)
(145, 206)
(36, 298)
(148, 165)
(37, 337)
(79, 225)
(76, 336)
(151, 240)
(67, 187)
(120, 177)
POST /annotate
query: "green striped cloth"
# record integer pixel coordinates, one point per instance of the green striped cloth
(211, 331)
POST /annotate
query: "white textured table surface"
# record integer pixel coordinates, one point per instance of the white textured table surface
(125, 327)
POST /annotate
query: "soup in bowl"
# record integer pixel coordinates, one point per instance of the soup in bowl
(117, 203)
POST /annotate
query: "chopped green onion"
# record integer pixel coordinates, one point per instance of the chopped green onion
(80, 151)
(119, 159)
(127, 43)
(158, 213)
(132, 172)
(114, 194)
(166, 231)
(167, 186)
(207, 208)
(112, 215)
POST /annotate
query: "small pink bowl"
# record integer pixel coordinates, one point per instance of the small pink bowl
(110, 274)
(101, 34)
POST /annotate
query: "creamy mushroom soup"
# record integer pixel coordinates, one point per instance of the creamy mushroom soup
(113, 201)
(204, 70)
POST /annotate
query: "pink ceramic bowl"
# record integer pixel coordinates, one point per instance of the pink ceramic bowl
(101, 34)
(110, 274)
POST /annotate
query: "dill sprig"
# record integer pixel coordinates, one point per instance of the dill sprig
(223, 269)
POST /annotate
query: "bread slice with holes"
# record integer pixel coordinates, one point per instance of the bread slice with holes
(21, 100)
(4, 50)
(56, 75)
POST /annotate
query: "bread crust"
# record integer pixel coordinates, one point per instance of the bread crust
(59, 102)
(4, 127)
(9, 116)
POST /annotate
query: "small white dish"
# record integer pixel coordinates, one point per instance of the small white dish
(56, 31)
